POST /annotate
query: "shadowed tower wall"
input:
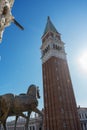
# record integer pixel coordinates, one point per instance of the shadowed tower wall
(60, 110)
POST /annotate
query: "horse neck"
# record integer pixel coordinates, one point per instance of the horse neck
(32, 92)
(32, 95)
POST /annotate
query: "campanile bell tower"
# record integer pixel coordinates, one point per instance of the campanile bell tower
(60, 110)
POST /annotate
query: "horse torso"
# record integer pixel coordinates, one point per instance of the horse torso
(16, 104)
(11, 105)
(24, 103)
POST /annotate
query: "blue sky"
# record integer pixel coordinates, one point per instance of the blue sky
(20, 63)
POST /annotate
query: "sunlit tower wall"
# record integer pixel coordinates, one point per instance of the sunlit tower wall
(60, 110)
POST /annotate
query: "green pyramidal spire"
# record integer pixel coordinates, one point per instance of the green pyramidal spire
(49, 27)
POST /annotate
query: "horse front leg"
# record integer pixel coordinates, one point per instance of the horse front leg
(16, 122)
(27, 121)
(36, 110)
(17, 116)
(4, 125)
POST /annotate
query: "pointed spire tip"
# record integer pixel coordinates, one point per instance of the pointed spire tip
(49, 26)
(48, 18)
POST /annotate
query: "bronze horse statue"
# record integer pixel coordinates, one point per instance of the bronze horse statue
(11, 105)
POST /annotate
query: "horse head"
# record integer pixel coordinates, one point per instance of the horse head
(33, 90)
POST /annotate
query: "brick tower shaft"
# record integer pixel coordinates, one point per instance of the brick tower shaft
(60, 110)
